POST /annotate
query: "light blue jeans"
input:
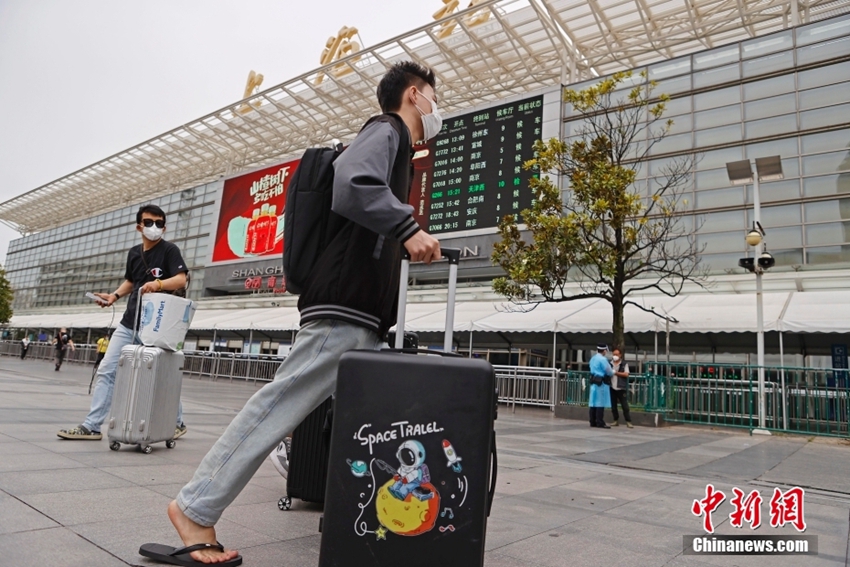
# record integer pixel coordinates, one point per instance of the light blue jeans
(304, 380)
(101, 399)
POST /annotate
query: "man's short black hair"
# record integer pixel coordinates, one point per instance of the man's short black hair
(151, 210)
(398, 79)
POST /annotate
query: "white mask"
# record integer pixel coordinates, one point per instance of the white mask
(153, 233)
(431, 123)
(616, 358)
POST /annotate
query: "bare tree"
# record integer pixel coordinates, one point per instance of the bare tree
(607, 236)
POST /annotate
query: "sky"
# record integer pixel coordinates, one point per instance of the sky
(81, 80)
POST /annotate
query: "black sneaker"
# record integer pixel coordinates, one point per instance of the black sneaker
(81, 432)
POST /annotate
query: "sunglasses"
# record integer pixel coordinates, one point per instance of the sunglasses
(150, 222)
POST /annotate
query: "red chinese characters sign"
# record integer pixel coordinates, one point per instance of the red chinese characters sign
(250, 222)
(785, 508)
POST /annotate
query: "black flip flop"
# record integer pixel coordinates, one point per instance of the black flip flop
(180, 555)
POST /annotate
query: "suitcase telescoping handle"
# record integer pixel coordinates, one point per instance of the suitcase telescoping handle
(453, 256)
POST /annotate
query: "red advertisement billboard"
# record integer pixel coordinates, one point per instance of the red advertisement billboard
(250, 221)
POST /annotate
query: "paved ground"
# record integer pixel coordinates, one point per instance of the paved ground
(567, 494)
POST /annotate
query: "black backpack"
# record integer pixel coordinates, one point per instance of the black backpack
(308, 214)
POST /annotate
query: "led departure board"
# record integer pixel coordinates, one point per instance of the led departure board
(471, 174)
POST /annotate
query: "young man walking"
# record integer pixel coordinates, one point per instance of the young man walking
(62, 343)
(350, 301)
(154, 265)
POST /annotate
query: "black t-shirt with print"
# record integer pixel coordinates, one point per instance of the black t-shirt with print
(161, 262)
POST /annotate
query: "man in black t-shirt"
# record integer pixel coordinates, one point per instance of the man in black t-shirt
(155, 265)
(62, 342)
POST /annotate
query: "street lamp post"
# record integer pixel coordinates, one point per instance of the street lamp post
(741, 173)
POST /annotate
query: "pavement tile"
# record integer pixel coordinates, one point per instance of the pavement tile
(37, 462)
(88, 506)
(749, 463)
(145, 474)
(799, 465)
(15, 516)
(54, 546)
(60, 480)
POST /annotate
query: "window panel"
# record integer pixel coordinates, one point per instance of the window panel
(718, 158)
(764, 45)
(826, 163)
(720, 97)
(776, 191)
(821, 31)
(769, 64)
(672, 86)
(771, 126)
(824, 96)
(784, 215)
(821, 76)
(790, 237)
(825, 211)
(719, 198)
(726, 221)
(823, 51)
(712, 179)
(672, 144)
(722, 135)
(825, 141)
(828, 255)
(822, 116)
(716, 57)
(717, 76)
(770, 107)
(676, 106)
(717, 117)
(826, 185)
(672, 68)
(830, 233)
(720, 242)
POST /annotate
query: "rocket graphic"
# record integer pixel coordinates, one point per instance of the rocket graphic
(454, 460)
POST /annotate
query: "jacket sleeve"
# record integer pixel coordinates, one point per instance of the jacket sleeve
(361, 191)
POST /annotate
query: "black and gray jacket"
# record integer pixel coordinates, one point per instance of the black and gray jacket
(357, 276)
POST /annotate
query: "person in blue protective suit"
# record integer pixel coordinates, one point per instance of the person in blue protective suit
(600, 391)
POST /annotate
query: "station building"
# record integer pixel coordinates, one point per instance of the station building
(746, 79)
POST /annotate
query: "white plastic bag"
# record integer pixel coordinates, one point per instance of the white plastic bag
(165, 320)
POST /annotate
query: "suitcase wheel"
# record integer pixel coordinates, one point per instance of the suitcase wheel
(170, 443)
(115, 445)
(284, 503)
(147, 449)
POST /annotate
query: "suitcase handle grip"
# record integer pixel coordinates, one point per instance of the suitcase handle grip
(494, 467)
(453, 256)
(418, 351)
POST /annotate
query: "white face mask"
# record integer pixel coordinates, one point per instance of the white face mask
(431, 123)
(153, 233)
(616, 358)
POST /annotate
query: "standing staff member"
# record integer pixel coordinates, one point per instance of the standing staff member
(25, 346)
(600, 392)
(155, 265)
(102, 345)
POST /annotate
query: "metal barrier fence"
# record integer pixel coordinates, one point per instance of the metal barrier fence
(527, 385)
(814, 401)
(215, 365)
(82, 354)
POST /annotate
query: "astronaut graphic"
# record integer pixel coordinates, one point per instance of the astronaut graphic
(412, 473)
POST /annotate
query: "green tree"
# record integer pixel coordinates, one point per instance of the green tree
(607, 237)
(6, 297)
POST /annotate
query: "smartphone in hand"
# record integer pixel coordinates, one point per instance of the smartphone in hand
(95, 298)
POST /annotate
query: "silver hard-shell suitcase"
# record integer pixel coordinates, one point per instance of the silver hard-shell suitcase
(146, 397)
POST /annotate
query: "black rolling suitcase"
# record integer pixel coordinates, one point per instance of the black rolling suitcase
(412, 462)
(308, 458)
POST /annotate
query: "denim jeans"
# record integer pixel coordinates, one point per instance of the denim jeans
(101, 399)
(303, 381)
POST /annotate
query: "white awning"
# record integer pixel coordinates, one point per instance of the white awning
(799, 312)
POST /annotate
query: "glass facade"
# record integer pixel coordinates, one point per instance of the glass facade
(784, 94)
(58, 266)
